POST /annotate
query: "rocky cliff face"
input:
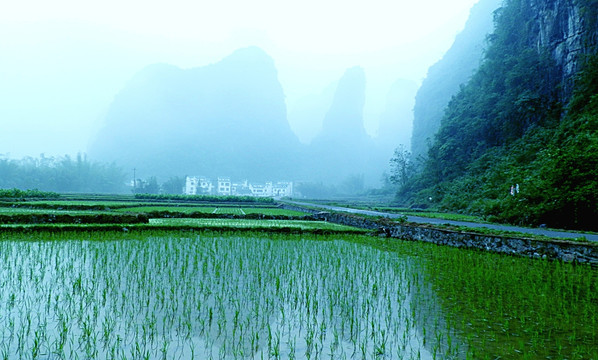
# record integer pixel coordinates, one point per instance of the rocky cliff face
(567, 29)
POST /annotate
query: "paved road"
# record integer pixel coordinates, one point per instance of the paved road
(425, 220)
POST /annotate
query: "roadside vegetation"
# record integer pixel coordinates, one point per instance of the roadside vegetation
(403, 214)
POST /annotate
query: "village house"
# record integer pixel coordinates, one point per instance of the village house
(198, 185)
(224, 186)
(282, 189)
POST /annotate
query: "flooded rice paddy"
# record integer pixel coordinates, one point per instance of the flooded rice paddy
(183, 295)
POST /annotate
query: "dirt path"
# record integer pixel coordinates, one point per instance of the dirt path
(425, 220)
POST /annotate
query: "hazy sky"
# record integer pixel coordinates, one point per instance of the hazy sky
(62, 61)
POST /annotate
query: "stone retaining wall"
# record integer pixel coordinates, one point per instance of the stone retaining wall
(551, 249)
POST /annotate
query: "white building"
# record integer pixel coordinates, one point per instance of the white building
(282, 189)
(198, 185)
(261, 190)
(269, 189)
(224, 186)
(241, 189)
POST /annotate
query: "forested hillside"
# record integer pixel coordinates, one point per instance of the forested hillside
(444, 78)
(519, 142)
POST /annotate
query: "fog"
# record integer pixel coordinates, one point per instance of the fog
(317, 93)
(63, 61)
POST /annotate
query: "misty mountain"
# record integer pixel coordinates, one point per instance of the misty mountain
(224, 119)
(454, 69)
(343, 148)
(344, 119)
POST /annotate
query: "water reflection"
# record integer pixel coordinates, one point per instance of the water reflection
(290, 296)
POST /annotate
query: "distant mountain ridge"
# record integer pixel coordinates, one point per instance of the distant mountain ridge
(227, 118)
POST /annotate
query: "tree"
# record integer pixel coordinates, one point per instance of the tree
(152, 186)
(174, 185)
(401, 166)
(62, 174)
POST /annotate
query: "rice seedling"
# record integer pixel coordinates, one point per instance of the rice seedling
(273, 211)
(169, 295)
(229, 210)
(253, 224)
(158, 208)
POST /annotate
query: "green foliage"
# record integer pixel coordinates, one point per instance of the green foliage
(72, 218)
(149, 186)
(589, 11)
(505, 128)
(572, 156)
(401, 166)
(585, 98)
(24, 194)
(511, 92)
(445, 77)
(174, 185)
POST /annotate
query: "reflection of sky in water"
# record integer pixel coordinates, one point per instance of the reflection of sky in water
(202, 297)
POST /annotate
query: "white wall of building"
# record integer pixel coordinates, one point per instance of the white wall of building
(224, 186)
(196, 185)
